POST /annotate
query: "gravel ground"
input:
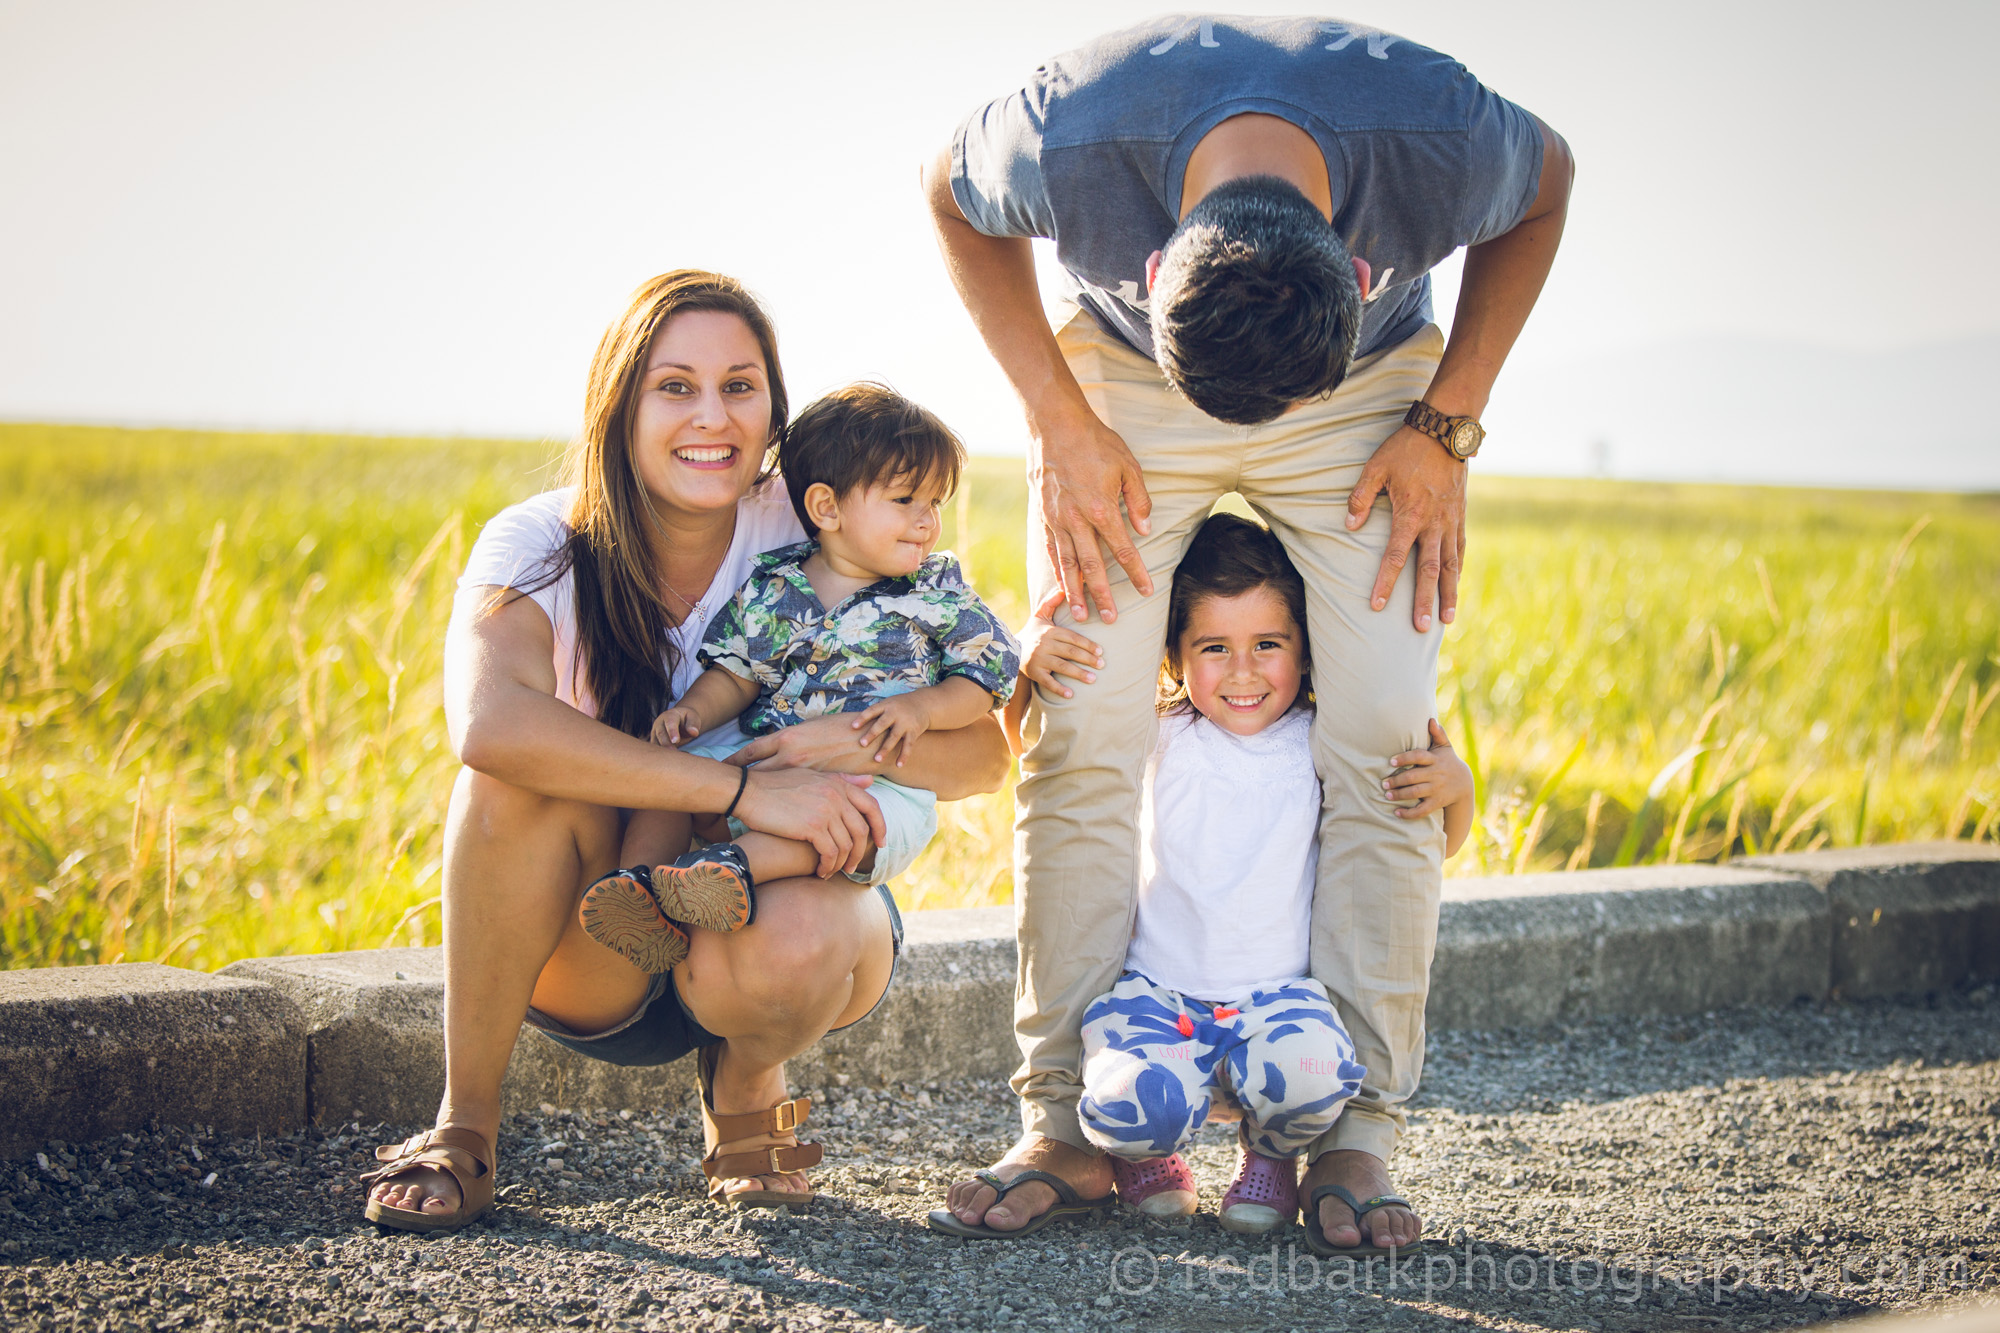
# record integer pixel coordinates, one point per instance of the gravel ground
(1747, 1169)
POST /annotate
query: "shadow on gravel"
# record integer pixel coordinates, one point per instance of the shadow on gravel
(1604, 1059)
(1739, 1170)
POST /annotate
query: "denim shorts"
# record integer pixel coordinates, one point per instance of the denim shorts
(662, 1030)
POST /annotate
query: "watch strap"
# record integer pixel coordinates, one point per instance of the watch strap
(1427, 419)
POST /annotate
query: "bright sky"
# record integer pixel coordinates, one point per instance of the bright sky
(418, 216)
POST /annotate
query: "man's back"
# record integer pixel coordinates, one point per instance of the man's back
(1421, 158)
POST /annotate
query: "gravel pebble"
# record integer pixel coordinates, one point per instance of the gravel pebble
(1745, 1169)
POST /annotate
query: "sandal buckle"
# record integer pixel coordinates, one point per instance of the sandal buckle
(776, 1169)
(785, 1117)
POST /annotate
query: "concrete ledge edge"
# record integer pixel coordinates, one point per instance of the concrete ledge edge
(271, 1044)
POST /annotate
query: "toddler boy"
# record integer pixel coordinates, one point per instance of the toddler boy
(861, 618)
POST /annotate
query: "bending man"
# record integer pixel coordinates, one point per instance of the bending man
(1246, 211)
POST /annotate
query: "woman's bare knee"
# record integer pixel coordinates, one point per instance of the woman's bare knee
(501, 813)
(793, 960)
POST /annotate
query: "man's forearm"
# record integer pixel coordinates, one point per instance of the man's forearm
(995, 278)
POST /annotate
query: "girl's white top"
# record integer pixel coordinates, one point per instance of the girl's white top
(1229, 838)
(515, 544)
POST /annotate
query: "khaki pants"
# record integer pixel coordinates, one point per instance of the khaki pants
(1374, 923)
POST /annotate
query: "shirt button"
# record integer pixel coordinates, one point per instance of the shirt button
(812, 669)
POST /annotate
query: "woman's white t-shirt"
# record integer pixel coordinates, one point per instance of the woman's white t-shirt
(515, 544)
(1229, 843)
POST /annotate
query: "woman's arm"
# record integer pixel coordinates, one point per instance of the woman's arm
(505, 721)
(954, 764)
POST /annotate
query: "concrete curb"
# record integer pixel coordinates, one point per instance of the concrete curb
(1523, 950)
(1913, 916)
(90, 1051)
(274, 1043)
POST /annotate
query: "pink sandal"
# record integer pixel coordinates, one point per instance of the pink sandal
(1157, 1187)
(1263, 1197)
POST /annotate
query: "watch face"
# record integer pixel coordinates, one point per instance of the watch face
(1465, 439)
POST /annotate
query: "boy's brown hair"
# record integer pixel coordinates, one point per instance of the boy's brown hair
(864, 435)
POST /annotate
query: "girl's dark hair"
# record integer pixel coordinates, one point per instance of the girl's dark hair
(623, 648)
(1228, 557)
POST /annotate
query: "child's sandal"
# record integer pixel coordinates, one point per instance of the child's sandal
(1264, 1196)
(709, 887)
(619, 912)
(1157, 1187)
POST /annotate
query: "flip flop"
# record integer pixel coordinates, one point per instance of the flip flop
(1067, 1204)
(1316, 1239)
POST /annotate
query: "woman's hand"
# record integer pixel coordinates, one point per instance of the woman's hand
(676, 726)
(954, 763)
(1435, 778)
(1048, 651)
(833, 812)
(822, 743)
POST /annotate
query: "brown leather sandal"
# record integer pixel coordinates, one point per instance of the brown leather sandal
(462, 1154)
(761, 1143)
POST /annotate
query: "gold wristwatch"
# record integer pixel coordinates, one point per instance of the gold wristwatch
(1461, 435)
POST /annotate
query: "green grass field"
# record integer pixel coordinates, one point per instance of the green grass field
(220, 728)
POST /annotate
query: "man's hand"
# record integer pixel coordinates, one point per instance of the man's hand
(1426, 488)
(1082, 470)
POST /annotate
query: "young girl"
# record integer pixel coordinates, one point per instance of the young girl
(1215, 1002)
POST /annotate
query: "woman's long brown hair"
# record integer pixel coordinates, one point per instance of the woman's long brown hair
(624, 651)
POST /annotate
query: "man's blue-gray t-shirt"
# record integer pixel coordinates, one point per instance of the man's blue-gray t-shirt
(1421, 157)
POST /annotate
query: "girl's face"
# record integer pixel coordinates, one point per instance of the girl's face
(1244, 659)
(704, 413)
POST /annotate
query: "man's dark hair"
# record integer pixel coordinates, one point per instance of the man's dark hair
(864, 435)
(1228, 557)
(1256, 305)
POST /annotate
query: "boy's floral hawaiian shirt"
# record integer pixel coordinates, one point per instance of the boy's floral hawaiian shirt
(891, 637)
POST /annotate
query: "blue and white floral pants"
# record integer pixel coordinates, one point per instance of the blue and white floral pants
(1154, 1061)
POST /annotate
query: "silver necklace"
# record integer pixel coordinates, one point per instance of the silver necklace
(696, 609)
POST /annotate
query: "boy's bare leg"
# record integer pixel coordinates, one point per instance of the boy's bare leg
(772, 857)
(655, 836)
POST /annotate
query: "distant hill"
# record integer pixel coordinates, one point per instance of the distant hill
(1741, 409)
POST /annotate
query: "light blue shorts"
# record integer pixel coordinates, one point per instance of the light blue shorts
(908, 813)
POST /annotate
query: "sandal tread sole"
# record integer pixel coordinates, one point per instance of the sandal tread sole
(402, 1219)
(619, 914)
(710, 896)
